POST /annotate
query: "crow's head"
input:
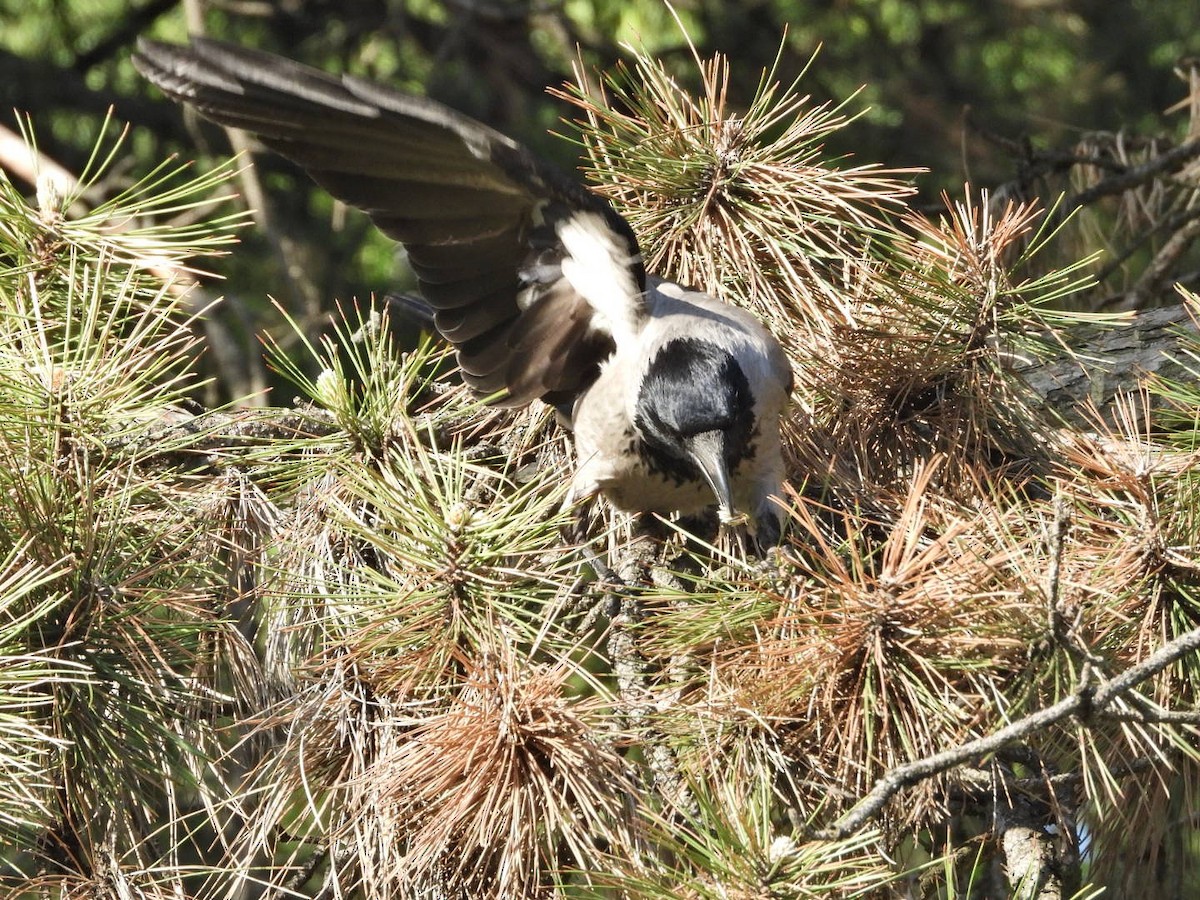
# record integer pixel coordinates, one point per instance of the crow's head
(695, 411)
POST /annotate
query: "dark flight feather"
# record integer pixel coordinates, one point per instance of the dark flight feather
(466, 201)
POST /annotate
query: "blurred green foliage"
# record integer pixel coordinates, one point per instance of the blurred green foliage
(934, 77)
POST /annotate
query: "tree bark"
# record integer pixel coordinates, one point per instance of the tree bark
(1032, 867)
(1113, 362)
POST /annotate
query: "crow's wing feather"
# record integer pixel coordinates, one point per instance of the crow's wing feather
(477, 212)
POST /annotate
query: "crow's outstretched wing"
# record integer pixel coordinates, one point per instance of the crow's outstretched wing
(533, 278)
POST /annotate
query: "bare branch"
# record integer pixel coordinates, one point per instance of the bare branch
(1161, 268)
(1084, 703)
(1160, 165)
(986, 778)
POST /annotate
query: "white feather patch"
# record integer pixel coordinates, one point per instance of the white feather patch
(597, 265)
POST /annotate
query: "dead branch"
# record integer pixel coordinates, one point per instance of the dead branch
(1164, 164)
(1084, 703)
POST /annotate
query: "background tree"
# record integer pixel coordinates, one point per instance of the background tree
(338, 649)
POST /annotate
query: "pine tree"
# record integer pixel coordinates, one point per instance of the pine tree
(343, 649)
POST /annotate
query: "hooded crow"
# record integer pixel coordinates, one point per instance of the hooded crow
(674, 397)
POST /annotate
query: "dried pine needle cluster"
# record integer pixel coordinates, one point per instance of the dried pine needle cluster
(736, 202)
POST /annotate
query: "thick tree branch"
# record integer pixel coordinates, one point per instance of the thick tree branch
(1031, 859)
(1110, 363)
(633, 675)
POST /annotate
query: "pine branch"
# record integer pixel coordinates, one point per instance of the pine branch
(241, 372)
(220, 436)
(633, 683)
(1085, 703)
(1109, 364)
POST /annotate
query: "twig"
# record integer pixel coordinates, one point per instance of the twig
(1162, 226)
(986, 779)
(1092, 700)
(1131, 178)
(301, 874)
(1160, 268)
(35, 168)
(1035, 162)
(1149, 715)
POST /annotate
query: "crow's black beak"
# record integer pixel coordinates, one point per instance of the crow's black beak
(707, 451)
